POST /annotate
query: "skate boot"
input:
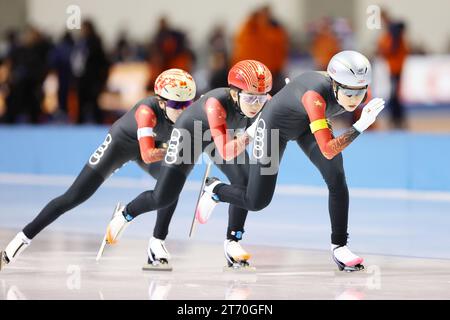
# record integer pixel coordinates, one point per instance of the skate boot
(115, 228)
(208, 201)
(117, 225)
(345, 259)
(237, 257)
(14, 249)
(158, 256)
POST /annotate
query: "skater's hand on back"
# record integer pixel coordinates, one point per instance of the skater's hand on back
(154, 155)
(369, 114)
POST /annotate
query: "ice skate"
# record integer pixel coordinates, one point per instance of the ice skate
(158, 256)
(194, 219)
(237, 257)
(114, 230)
(208, 201)
(345, 259)
(14, 249)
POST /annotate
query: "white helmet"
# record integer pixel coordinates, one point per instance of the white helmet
(350, 68)
(175, 85)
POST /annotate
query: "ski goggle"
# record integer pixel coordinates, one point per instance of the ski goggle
(352, 92)
(253, 98)
(178, 105)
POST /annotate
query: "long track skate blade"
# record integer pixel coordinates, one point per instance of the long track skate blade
(157, 267)
(239, 268)
(358, 267)
(104, 242)
(2, 261)
(194, 220)
(100, 251)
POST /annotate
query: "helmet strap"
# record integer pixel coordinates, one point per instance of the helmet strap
(237, 105)
(335, 88)
(164, 109)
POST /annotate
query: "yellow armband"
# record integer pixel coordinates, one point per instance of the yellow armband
(318, 124)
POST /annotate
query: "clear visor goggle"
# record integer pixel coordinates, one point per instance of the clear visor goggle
(249, 98)
(178, 105)
(352, 92)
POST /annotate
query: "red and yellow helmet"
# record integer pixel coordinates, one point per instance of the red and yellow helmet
(250, 76)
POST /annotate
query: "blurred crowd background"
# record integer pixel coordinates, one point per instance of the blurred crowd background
(94, 74)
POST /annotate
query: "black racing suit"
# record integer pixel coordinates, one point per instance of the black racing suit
(120, 146)
(286, 113)
(189, 139)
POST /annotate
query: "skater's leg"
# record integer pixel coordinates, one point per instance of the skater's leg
(163, 218)
(261, 182)
(168, 187)
(338, 199)
(237, 174)
(84, 186)
(173, 172)
(338, 202)
(102, 163)
(260, 188)
(235, 255)
(163, 215)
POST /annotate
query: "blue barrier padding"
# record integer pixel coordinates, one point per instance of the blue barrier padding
(396, 160)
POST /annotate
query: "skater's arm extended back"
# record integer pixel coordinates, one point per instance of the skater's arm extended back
(146, 121)
(227, 146)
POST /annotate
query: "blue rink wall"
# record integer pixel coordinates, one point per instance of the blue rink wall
(393, 160)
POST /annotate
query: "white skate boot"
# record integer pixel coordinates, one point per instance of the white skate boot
(345, 259)
(117, 225)
(14, 249)
(158, 256)
(237, 257)
(114, 230)
(208, 201)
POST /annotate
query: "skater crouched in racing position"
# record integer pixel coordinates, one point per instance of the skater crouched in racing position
(139, 136)
(216, 112)
(300, 112)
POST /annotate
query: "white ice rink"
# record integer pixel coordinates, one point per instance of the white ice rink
(403, 240)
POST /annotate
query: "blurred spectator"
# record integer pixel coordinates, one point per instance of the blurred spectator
(124, 51)
(9, 44)
(324, 44)
(393, 48)
(169, 49)
(60, 63)
(218, 59)
(27, 64)
(90, 67)
(263, 38)
(344, 33)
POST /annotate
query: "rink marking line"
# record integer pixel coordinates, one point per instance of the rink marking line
(144, 183)
(312, 273)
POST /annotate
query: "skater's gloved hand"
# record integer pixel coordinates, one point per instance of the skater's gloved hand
(154, 155)
(369, 114)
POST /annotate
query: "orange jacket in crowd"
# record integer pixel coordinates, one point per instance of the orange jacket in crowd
(393, 57)
(260, 40)
(325, 45)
